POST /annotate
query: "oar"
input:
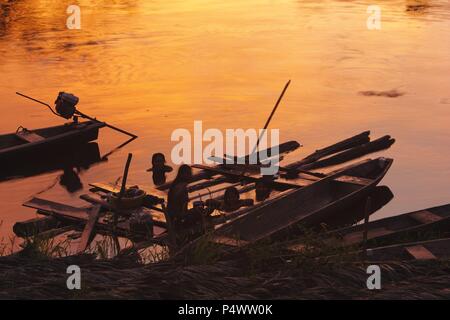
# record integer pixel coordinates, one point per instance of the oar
(125, 176)
(271, 115)
(119, 198)
(79, 113)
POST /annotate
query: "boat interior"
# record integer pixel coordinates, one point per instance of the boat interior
(425, 250)
(271, 215)
(24, 136)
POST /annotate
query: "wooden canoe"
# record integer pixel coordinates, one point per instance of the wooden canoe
(25, 143)
(310, 206)
(407, 227)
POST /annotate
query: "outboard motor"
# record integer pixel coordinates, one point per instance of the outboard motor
(65, 107)
(65, 104)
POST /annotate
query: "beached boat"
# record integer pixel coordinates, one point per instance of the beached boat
(22, 144)
(310, 206)
(413, 226)
(422, 250)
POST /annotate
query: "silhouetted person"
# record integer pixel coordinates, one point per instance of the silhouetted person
(159, 169)
(262, 189)
(178, 198)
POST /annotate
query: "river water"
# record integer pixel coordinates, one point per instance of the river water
(153, 66)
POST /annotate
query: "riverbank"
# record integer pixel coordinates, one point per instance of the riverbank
(236, 277)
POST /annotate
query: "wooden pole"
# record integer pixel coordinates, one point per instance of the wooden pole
(366, 224)
(121, 193)
(106, 124)
(123, 187)
(271, 115)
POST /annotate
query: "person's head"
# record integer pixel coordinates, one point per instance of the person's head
(158, 159)
(231, 196)
(184, 174)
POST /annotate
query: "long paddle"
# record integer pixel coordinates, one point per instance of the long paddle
(271, 115)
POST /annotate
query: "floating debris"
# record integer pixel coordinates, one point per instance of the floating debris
(389, 94)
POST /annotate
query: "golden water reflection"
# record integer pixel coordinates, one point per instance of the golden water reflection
(153, 66)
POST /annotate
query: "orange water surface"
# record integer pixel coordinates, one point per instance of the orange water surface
(153, 66)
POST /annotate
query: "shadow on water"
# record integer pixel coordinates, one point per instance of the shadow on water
(71, 162)
(4, 17)
(417, 7)
(78, 158)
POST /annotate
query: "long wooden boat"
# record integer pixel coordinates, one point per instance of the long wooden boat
(422, 250)
(24, 143)
(413, 226)
(309, 206)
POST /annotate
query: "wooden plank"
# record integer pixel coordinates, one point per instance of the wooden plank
(61, 209)
(354, 180)
(89, 228)
(29, 136)
(425, 216)
(419, 252)
(245, 176)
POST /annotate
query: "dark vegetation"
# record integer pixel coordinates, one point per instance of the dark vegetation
(206, 271)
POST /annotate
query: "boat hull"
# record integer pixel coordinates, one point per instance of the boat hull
(309, 206)
(66, 137)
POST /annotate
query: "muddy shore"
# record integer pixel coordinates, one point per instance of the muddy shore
(22, 277)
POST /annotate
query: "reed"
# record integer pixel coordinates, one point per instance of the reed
(46, 247)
